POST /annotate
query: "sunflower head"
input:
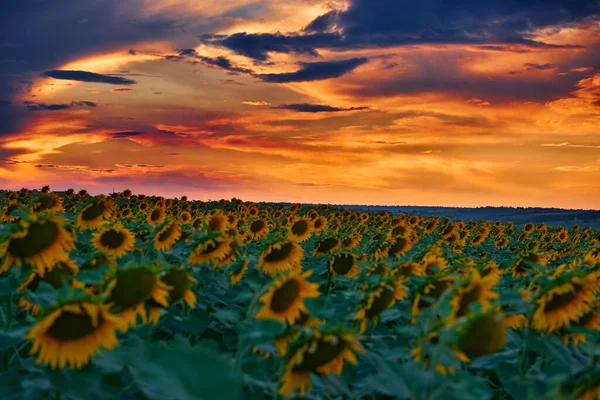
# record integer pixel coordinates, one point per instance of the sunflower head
(211, 248)
(284, 300)
(39, 241)
(300, 229)
(344, 264)
(93, 215)
(130, 289)
(179, 281)
(72, 333)
(483, 333)
(156, 216)
(320, 353)
(166, 235)
(327, 245)
(280, 256)
(378, 299)
(472, 290)
(115, 240)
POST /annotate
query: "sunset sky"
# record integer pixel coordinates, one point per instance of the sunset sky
(461, 103)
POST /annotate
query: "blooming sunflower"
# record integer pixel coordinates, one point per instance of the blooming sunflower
(217, 222)
(319, 224)
(321, 353)
(430, 292)
(431, 263)
(281, 256)
(300, 229)
(379, 299)
(567, 300)
(48, 203)
(72, 333)
(343, 264)
(92, 215)
(481, 334)
(167, 235)
(284, 301)
(326, 246)
(6, 215)
(590, 320)
(156, 216)
(62, 270)
(39, 241)
(258, 228)
(474, 289)
(237, 271)
(178, 285)
(129, 290)
(115, 241)
(212, 248)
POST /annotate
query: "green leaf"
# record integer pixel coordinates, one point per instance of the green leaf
(182, 372)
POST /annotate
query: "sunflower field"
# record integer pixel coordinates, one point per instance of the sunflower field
(142, 297)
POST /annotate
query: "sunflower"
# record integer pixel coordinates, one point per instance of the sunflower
(6, 214)
(382, 297)
(431, 263)
(300, 229)
(474, 289)
(72, 333)
(211, 249)
(565, 302)
(481, 334)
(62, 270)
(258, 228)
(39, 242)
(319, 224)
(129, 290)
(92, 215)
(320, 353)
(167, 235)
(156, 216)
(326, 246)
(48, 203)
(430, 292)
(237, 271)
(179, 281)
(284, 301)
(217, 222)
(343, 264)
(284, 255)
(185, 217)
(590, 320)
(115, 241)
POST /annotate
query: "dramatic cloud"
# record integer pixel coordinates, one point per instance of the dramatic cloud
(32, 106)
(315, 108)
(85, 76)
(127, 134)
(315, 71)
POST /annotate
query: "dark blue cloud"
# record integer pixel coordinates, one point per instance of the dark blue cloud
(315, 108)
(32, 106)
(384, 23)
(190, 55)
(85, 76)
(315, 71)
(126, 134)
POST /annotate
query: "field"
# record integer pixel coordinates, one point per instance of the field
(138, 297)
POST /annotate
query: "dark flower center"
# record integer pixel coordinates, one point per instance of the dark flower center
(156, 214)
(324, 353)
(71, 326)
(279, 254)
(381, 303)
(327, 244)
(285, 296)
(257, 226)
(299, 227)
(133, 286)
(342, 263)
(40, 236)
(112, 239)
(93, 211)
(558, 301)
(166, 233)
(177, 279)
